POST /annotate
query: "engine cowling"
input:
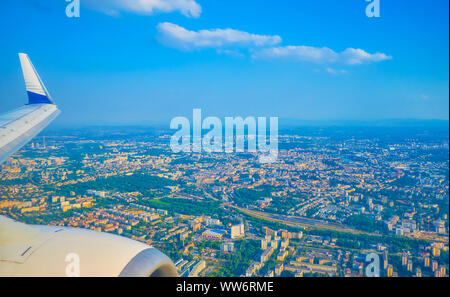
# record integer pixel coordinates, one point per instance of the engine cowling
(33, 250)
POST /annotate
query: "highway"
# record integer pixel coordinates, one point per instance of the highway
(306, 223)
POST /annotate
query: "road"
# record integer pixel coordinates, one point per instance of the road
(300, 222)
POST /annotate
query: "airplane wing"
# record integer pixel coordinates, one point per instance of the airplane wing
(19, 126)
(31, 250)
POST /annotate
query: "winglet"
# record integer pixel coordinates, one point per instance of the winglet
(37, 93)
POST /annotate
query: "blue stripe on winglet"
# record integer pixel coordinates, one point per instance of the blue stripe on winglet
(34, 98)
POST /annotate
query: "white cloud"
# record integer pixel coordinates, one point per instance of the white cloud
(189, 8)
(298, 53)
(332, 71)
(231, 53)
(358, 56)
(179, 37)
(319, 55)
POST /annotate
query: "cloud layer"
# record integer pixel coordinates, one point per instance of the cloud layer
(189, 8)
(181, 38)
(264, 47)
(230, 41)
(319, 55)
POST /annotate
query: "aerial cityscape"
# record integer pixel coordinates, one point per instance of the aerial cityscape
(335, 195)
(225, 146)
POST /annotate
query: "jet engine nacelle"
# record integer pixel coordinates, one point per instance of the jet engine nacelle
(32, 250)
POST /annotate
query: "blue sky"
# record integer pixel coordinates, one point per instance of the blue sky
(151, 60)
